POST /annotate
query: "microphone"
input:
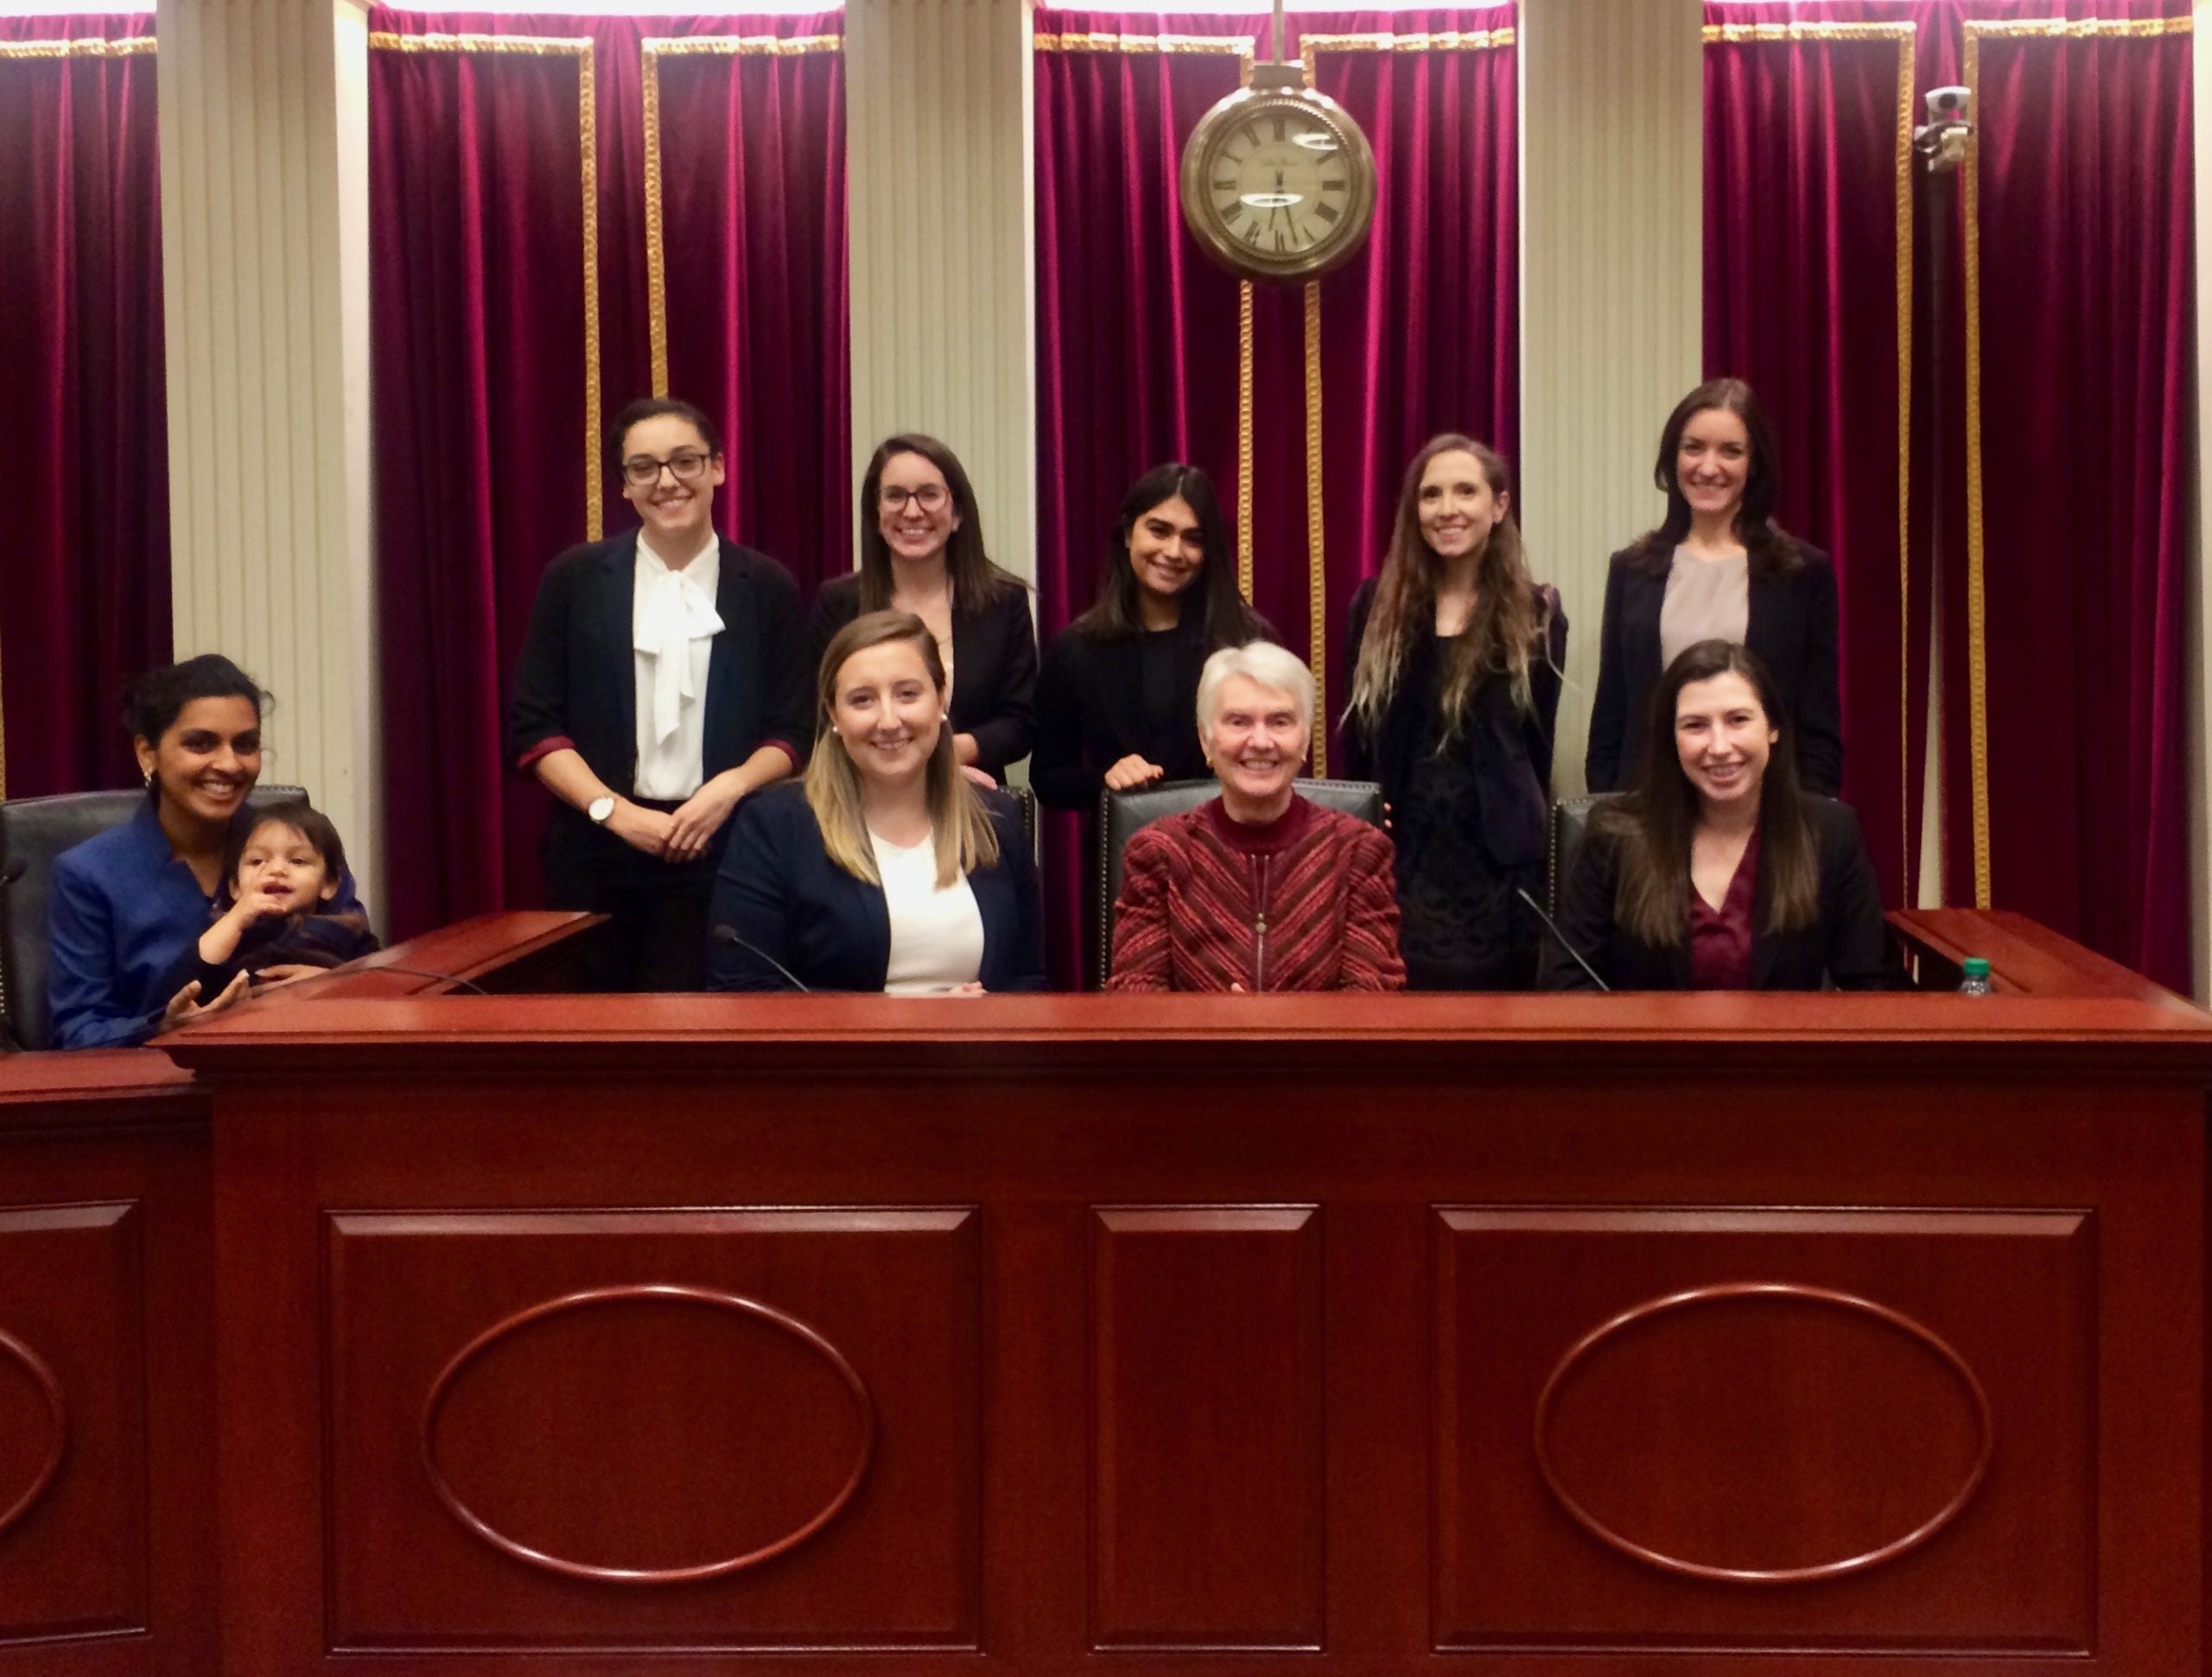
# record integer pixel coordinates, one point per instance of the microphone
(728, 935)
(1551, 926)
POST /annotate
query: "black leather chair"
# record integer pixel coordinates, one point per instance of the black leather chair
(1027, 800)
(1570, 823)
(1120, 815)
(34, 831)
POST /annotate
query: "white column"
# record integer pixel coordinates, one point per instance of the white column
(937, 102)
(1613, 202)
(2198, 619)
(265, 253)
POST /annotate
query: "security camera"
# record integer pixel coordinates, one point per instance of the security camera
(1949, 106)
(1942, 140)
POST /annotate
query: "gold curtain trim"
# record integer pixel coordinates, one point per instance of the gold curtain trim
(580, 48)
(1244, 448)
(532, 46)
(1734, 33)
(1097, 42)
(740, 45)
(1244, 439)
(1445, 40)
(128, 46)
(1907, 46)
(651, 51)
(2081, 29)
(1317, 582)
(1977, 615)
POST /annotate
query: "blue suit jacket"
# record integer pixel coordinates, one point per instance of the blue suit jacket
(120, 912)
(778, 890)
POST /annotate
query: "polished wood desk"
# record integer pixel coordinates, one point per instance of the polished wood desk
(1725, 1334)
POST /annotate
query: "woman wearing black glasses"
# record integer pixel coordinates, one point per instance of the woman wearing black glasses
(922, 551)
(662, 679)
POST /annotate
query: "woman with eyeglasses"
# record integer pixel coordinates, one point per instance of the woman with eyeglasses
(922, 551)
(663, 680)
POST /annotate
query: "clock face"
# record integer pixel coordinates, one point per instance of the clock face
(1279, 186)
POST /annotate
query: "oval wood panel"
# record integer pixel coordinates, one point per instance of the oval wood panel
(33, 1429)
(1763, 1433)
(656, 1417)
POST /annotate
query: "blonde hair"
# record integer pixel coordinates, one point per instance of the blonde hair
(959, 824)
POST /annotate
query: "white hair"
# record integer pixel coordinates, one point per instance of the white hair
(1263, 662)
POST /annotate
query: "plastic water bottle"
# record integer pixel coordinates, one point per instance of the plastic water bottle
(1976, 979)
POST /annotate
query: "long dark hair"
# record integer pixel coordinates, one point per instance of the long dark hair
(1504, 636)
(1656, 821)
(1772, 550)
(976, 580)
(1226, 620)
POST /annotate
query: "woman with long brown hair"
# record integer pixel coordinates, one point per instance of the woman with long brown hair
(887, 869)
(1456, 656)
(1717, 567)
(922, 551)
(1719, 872)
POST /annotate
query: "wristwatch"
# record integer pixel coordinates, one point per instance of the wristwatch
(600, 807)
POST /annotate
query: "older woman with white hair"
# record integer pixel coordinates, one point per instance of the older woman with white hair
(1258, 889)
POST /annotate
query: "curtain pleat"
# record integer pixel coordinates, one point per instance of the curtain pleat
(84, 429)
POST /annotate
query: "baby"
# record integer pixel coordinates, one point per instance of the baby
(283, 871)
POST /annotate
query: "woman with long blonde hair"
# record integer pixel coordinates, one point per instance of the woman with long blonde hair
(887, 869)
(1456, 656)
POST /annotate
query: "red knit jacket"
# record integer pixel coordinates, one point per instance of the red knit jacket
(1304, 902)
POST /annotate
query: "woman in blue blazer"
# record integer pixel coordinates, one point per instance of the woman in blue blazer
(1718, 567)
(886, 869)
(124, 906)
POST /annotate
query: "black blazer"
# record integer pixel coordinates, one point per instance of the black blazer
(1090, 714)
(778, 890)
(1508, 755)
(1792, 628)
(576, 684)
(993, 666)
(1849, 942)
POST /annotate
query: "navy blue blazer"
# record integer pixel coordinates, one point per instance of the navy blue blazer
(993, 666)
(121, 910)
(1792, 628)
(576, 677)
(778, 890)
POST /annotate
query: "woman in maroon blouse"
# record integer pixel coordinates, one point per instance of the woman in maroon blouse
(1719, 872)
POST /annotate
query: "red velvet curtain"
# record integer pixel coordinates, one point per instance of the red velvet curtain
(1805, 183)
(1138, 331)
(2082, 212)
(82, 400)
(2083, 183)
(495, 363)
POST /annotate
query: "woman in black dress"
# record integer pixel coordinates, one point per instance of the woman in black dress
(1455, 676)
(1117, 700)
